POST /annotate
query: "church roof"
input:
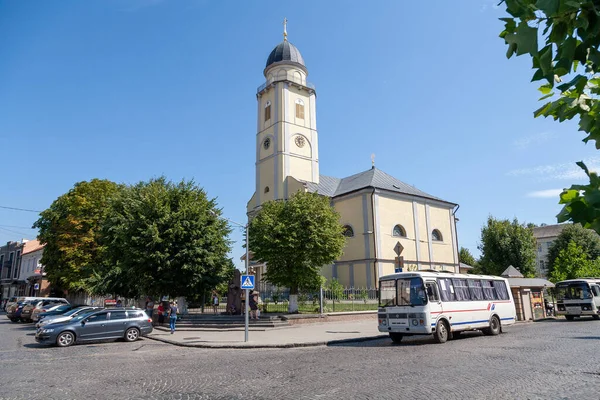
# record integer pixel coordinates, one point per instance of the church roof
(372, 178)
(285, 51)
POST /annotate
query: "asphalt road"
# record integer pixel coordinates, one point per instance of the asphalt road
(544, 360)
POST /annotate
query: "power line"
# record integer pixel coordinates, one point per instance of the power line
(18, 227)
(19, 209)
(18, 233)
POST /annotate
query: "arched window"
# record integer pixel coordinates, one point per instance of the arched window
(266, 189)
(299, 109)
(436, 235)
(399, 231)
(267, 111)
(348, 231)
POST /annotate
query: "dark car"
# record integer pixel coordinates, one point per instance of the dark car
(30, 309)
(128, 324)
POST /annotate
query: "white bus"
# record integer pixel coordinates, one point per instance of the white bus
(578, 297)
(443, 304)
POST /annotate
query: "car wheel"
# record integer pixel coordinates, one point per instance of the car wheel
(65, 339)
(441, 332)
(494, 328)
(14, 319)
(132, 334)
(596, 317)
(396, 337)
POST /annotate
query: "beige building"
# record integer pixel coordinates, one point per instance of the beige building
(544, 235)
(383, 216)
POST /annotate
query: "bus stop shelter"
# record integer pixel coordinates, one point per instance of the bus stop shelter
(528, 294)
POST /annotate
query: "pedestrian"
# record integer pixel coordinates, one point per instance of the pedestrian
(173, 311)
(215, 301)
(149, 307)
(253, 305)
(161, 314)
(119, 303)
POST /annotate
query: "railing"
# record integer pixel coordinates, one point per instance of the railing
(274, 299)
(286, 79)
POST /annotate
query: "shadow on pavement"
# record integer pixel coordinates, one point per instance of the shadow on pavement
(587, 337)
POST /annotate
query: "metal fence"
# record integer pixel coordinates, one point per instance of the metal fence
(275, 299)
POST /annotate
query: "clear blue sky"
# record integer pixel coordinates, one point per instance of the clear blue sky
(132, 89)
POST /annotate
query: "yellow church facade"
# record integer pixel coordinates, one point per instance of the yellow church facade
(388, 224)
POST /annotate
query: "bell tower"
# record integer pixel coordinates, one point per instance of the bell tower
(286, 138)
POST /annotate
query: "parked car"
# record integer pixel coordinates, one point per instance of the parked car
(11, 307)
(128, 324)
(11, 300)
(59, 309)
(53, 319)
(14, 311)
(29, 309)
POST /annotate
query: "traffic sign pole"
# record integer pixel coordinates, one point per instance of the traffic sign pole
(246, 320)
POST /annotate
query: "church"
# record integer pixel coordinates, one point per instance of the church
(389, 225)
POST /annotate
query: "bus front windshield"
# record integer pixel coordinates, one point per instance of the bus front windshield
(573, 291)
(402, 292)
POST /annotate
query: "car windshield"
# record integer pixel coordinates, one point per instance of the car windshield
(81, 316)
(402, 292)
(573, 291)
(74, 311)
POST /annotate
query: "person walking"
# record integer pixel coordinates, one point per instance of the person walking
(150, 308)
(253, 305)
(161, 313)
(119, 303)
(173, 311)
(215, 301)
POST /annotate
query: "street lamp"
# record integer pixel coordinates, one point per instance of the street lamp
(245, 226)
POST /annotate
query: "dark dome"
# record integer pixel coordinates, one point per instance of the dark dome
(285, 51)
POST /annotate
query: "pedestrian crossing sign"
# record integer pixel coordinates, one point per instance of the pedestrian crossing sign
(247, 281)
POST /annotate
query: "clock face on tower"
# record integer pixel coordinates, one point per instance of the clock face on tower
(267, 144)
(300, 141)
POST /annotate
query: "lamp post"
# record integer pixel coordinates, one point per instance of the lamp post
(246, 291)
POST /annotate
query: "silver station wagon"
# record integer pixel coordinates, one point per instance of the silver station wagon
(107, 324)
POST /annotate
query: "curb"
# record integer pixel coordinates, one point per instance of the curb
(268, 346)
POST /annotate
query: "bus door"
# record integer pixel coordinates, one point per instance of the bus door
(596, 296)
(433, 295)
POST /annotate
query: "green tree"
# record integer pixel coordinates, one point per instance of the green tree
(568, 57)
(164, 238)
(505, 243)
(296, 238)
(71, 229)
(465, 257)
(573, 262)
(585, 239)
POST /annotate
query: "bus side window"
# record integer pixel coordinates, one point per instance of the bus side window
(431, 292)
(596, 290)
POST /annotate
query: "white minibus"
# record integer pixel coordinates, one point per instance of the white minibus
(578, 298)
(443, 304)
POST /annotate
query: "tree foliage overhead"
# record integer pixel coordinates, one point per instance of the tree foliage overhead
(562, 38)
(164, 238)
(71, 230)
(585, 239)
(573, 262)
(296, 238)
(505, 243)
(465, 257)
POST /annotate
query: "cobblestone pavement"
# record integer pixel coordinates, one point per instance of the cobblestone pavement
(544, 360)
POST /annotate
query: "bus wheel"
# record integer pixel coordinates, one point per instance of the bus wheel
(396, 337)
(570, 317)
(441, 332)
(596, 317)
(494, 328)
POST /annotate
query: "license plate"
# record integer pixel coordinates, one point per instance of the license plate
(574, 310)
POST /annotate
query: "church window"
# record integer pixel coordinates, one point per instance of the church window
(399, 231)
(267, 143)
(267, 111)
(348, 231)
(299, 109)
(436, 235)
(267, 189)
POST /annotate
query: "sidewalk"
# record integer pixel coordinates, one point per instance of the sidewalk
(304, 335)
